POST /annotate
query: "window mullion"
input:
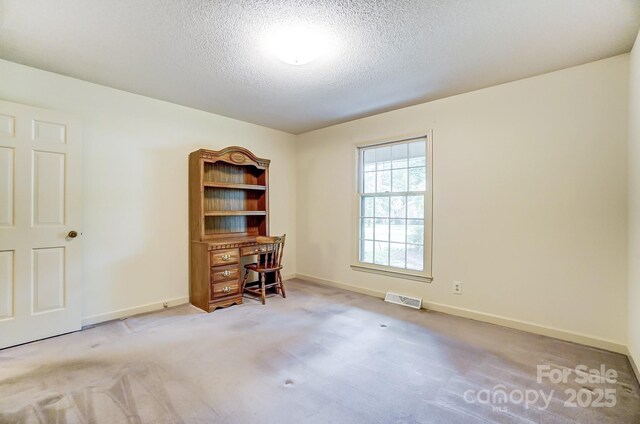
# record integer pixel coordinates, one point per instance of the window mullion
(373, 259)
(375, 173)
(389, 234)
(390, 191)
(406, 229)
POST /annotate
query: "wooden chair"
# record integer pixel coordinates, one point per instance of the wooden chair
(269, 262)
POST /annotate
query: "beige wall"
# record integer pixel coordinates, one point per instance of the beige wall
(530, 196)
(530, 201)
(135, 187)
(634, 203)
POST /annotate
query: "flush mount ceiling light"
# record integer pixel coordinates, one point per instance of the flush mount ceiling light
(299, 44)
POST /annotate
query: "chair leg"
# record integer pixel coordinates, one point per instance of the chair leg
(281, 285)
(244, 281)
(262, 288)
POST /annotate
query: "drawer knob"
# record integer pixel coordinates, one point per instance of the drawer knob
(226, 289)
(226, 273)
(225, 257)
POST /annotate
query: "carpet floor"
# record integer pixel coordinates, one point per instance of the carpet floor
(322, 355)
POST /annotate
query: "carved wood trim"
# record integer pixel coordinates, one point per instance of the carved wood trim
(235, 155)
(216, 246)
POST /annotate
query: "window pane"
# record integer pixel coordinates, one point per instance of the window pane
(399, 180)
(384, 181)
(392, 224)
(367, 207)
(369, 160)
(382, 229)
(383, 157)
(415, 257)
(417, 153)
(397, 232)
(417, 179)
(382, 207)
(381, 254)
(415, 207)
(398, 206)
(399, 156)
(366, 231)
(369, 182)
(415, 231)
(366, 253)
(396, 255)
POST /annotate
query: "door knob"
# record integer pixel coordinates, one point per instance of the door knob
(72, 234)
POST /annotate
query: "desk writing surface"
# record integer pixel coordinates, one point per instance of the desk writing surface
(233, 243)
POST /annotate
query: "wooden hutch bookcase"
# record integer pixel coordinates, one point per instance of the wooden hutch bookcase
(228, 208)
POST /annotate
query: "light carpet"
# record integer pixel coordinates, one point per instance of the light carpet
(323, 355)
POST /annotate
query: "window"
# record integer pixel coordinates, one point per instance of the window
(394, 207)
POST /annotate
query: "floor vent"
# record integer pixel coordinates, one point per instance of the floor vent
(412, 302)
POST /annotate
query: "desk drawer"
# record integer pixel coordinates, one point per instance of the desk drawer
(227, 288)
(224, 273)
(224, 257)
(254, 250)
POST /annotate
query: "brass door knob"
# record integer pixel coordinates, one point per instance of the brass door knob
(72, 234)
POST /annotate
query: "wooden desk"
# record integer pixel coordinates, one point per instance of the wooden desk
(216, 271)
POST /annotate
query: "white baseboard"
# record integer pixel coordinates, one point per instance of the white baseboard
(125, 313)
(362, 290)
(490, 318)
(529, 327)
(149, 307)
(634, 365)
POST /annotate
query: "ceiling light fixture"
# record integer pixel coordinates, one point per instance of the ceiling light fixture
(299, 44)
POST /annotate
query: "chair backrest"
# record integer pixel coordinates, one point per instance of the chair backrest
(274, 247)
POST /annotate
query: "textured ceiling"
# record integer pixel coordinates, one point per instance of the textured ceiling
(387, 53)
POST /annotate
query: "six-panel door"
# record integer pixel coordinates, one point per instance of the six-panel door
(40, 204)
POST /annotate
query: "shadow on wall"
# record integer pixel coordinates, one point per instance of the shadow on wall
(305, 228)
(144, 247)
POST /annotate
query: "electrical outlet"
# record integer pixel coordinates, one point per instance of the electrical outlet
(457, 287)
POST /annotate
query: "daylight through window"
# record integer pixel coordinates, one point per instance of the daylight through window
(392, 190)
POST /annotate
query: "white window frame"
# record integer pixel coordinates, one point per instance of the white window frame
(426, 274)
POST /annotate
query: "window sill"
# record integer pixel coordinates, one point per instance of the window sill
(391, 273)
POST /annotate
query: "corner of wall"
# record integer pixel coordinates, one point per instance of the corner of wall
(633, 315)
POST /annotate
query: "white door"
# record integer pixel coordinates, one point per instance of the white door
(40, 208)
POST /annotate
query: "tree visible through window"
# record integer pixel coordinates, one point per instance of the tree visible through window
(392, 190)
